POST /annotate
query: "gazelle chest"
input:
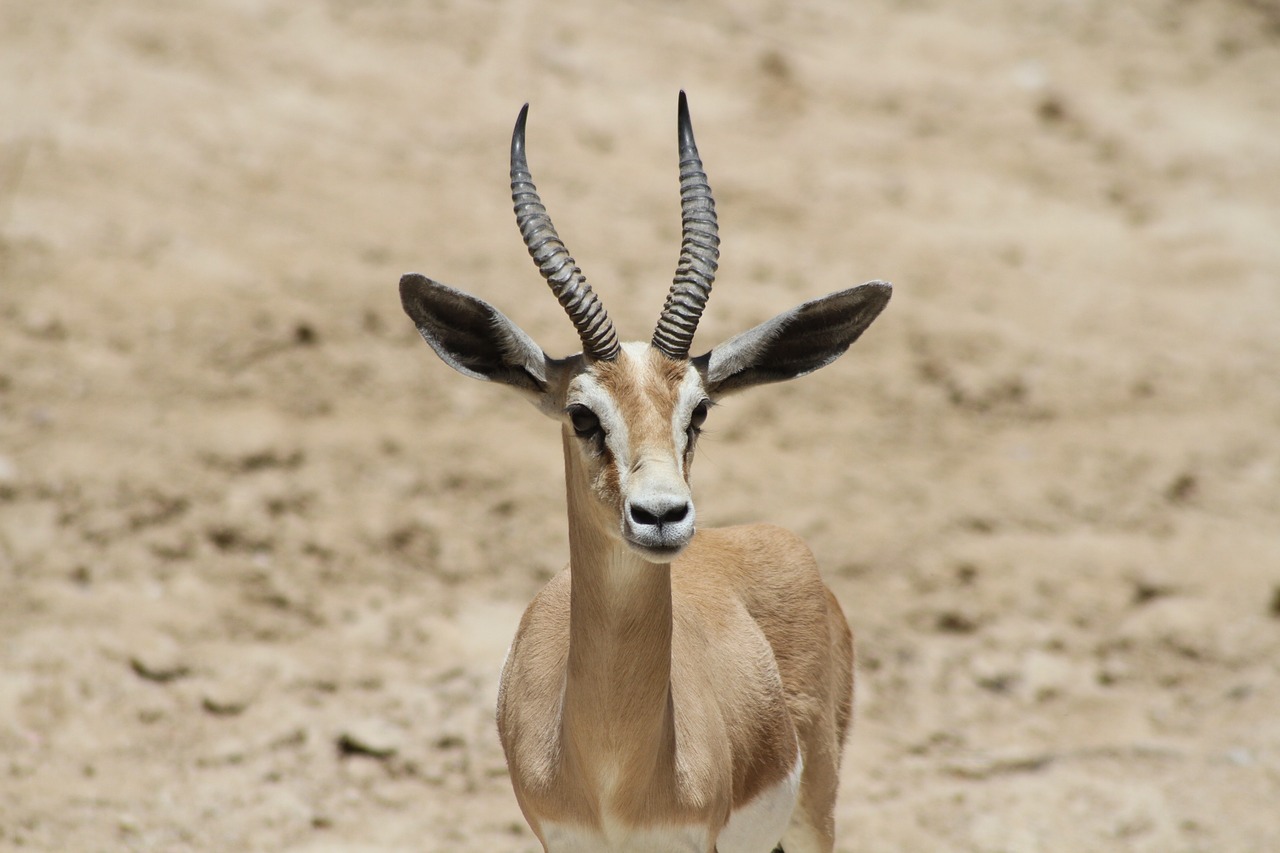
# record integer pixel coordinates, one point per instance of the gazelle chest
(566, 838)
(755, 827)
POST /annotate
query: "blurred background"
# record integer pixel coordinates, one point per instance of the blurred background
(261, 552)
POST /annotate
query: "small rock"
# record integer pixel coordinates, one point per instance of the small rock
(1112, 670)
(224, 704)
(1046, 676)
(1185, 626)
(956, 622)
(995, 672)
(1146, 590)
(372, 738)
(161, 666)
(232, 688)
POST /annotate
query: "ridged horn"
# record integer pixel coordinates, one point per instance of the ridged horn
(699, 249)
(599, 340)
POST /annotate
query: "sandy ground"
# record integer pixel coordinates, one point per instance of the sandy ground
(261, 552)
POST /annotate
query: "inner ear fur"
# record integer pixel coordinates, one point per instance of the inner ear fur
(795, 342)
(473, 337)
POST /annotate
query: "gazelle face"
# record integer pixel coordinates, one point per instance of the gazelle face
(631, 425)
(631, 413)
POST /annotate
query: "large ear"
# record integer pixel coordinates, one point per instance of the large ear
(795, 342)
(473, 337)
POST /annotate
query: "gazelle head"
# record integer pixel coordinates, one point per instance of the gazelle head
(631, 413)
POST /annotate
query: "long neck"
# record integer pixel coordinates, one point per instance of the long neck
(617, 700)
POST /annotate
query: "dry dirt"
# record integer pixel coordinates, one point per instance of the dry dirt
(261, 552)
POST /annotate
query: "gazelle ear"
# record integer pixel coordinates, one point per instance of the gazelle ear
(795, 342)
(473, 337)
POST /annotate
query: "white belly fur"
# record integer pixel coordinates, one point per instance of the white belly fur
(759, 825)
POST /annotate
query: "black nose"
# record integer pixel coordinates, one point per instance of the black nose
(658, 516)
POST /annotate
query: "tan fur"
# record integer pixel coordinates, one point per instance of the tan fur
(647, 694)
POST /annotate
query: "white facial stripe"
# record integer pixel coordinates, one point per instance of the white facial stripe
(691, 394)
(585, 391)
(644, 481)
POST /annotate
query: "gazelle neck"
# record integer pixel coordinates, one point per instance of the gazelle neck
(617, 699)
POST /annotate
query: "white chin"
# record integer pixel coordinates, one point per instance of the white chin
(655, 553)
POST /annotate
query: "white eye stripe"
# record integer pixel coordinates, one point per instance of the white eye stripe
(691, 394)
(585, 391)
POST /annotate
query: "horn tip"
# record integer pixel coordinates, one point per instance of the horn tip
(684, 125)
(517, 135)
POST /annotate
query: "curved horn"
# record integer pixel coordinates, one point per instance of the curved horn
(599, 340)
(699, 250)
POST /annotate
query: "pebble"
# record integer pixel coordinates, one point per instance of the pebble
(372, 738)
(224, 703)
(1045, 675)
(159, 665)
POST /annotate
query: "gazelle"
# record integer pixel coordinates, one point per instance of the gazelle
(674, 688)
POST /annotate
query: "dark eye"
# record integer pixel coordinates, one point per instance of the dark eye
(699, 416)
(696, 419)
(585, 423)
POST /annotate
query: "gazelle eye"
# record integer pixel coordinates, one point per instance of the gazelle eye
(585, 423)
(699, 416)
(696, 418)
